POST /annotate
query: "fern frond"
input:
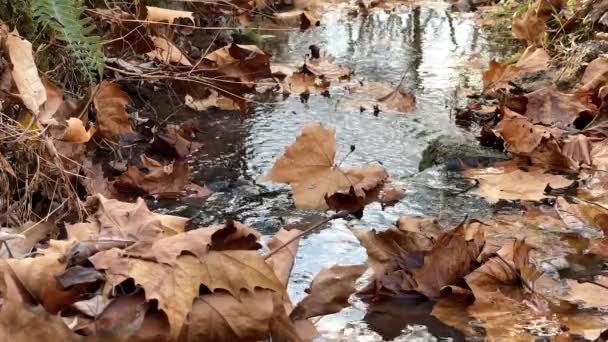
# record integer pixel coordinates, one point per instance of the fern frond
(67, 18)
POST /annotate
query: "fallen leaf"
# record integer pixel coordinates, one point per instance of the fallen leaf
(179, 138)
(499, 75)
(578, 149)
(21, 322)
(303, 82)
(167, 53)
(398, 101)
(25, 73)
(282, 262)
(175, 291)
(112, 219)
(308, 167)
(222, 317)
(304, 19)
(54, 100)
(588, 295)
(214, 100)
(75, 132)
(368, 95)
(510, 182)
(38, 276)
(110, 104)
(244, 62)
(34, 232)
(530, 27)
(161, 180)
(197, 242)
(166, 15)
(324, 65)
(391, 196)
(552, 107)
(520, 135)
(596, 74)
(329, 291)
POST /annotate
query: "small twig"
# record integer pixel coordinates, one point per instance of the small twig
(592, 282)
(340, 214)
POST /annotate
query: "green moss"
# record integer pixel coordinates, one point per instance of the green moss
(18, 14)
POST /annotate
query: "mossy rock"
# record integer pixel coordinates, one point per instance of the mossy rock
(454, 152)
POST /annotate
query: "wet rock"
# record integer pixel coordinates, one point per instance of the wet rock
(456, 152)
(532, 81)
(569, 75)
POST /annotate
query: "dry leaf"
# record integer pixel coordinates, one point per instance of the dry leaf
(551, 107)
(160, 180)
(282, 262)
(25, 73)
(20, 322)
(166, 15)
(323, 65)
(596, 74)
(499, 75)
(38, 276)
(222, 317)
(386, 97)
(167, 53)
(175, 291)
(308, 167)
(510, 182)
(110, 104)
(329, 291)
(75, 132)
(54, 100)
(112, 219)
(214, 100)
(520, 135)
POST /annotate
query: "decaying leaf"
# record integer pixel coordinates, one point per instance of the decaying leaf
(282, 262)
(179, 138)
(110, 103)
(510, 182)
(175, 291)
(244, 62)
(520, 135)
(22, 322)
(166, 15)
(25, 73)
(222, 317)
(112, 219)
(323, 65)
(214, 100)
(552, 107)
(499, 75)
(166, 52)
(75, 132)
(596, 74)
(329, 291)
(160, 180)
(530, 27)
(308, 167)
(386, 97)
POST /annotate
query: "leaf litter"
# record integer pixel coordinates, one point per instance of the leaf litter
(156, 278)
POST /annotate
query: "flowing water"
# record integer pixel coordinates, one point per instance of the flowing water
(436, 51)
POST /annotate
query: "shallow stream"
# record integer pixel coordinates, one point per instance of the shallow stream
(436, 51)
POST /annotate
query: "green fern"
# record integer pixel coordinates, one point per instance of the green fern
(67, 18)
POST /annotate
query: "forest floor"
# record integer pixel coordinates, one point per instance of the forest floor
(342, 170)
